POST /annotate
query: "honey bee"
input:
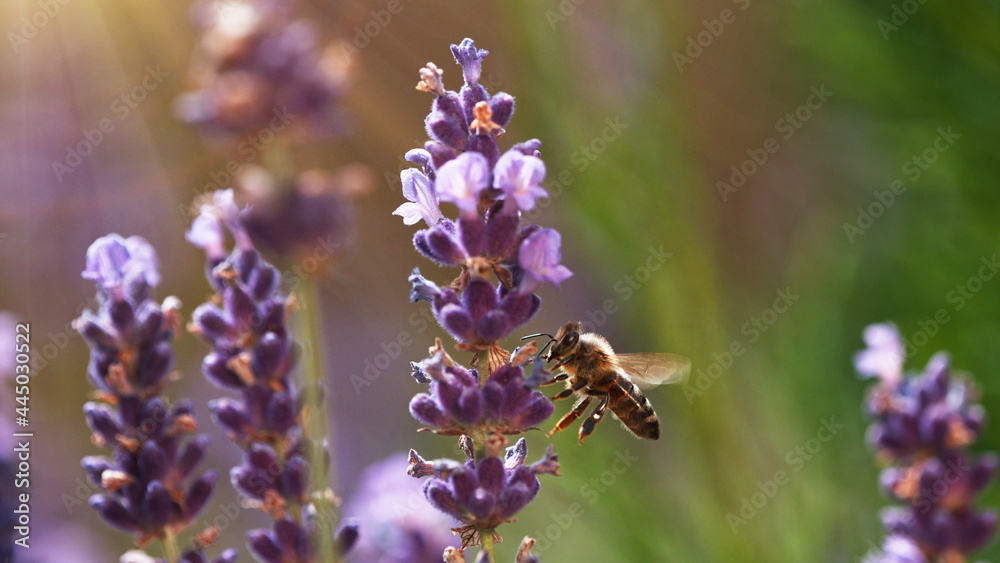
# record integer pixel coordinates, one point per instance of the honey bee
(592, 370)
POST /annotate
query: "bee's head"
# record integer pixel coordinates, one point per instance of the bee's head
(566, 341)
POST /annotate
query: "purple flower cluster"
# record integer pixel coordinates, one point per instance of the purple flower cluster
(462, 165)
(487, 492)
(296, 217)
(456, 404)
(922, 426)
(502, 262)
(257, 70)
(253, 353)
(150, 485)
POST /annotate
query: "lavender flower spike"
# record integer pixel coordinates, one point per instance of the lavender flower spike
(540, 259)
(422, 204)
(149, 487)
(923, 425)
(461, 179)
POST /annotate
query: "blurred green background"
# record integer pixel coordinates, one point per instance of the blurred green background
(689, 104)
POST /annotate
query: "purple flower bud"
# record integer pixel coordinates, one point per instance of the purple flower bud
(540, 256)
(102, 421)
(152, 462)
(482, 503)
(157, 506)
(251, 481)
(491, 474)
(264, 546)
(281, 413)
(460, 181)
(230, 415)
(347, 535)
(501, 234)
(114, 513)
(502, 106)
(529, 147)
(425, 409)
(456, 321)
(215, 369)
(472, 231)
(520, 178)
(440, 154)
(154, 365)
(240, 305)
(422, 202)
(199, 493)
(296, 478)
(470, 406)
(442, 498)
(192, 454)
(470, 58)
(472, 94)
(479, 298)
(96, 331)
(148, 322)
(444, 128)
(268, 356)
(262, 457)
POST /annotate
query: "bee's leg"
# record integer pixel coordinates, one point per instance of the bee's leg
(572, 415)
(559, 377)
(588, 425)
(569, 391)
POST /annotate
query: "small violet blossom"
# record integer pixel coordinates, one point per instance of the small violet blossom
(519, 177)
(461, 179)
(540, 258)
(422, 204)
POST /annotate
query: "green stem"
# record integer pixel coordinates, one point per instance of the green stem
(486, 537)
(170, 547)
(317, 424)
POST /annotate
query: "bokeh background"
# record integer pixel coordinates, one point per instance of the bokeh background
(573, 66)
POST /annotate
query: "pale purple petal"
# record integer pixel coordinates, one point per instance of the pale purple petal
(422, 203)
(519, 176)
(884, 356)
(461, 179)
(206, 233)
(540, 257)
(111, 258)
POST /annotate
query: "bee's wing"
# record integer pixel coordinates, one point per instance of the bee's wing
(648, 370)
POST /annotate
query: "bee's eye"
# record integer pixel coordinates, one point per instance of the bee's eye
(572, 338)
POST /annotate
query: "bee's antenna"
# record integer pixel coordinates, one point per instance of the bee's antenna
(542, 351)
(537, 335)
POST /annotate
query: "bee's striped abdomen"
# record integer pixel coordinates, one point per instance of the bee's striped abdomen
(634, 409)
